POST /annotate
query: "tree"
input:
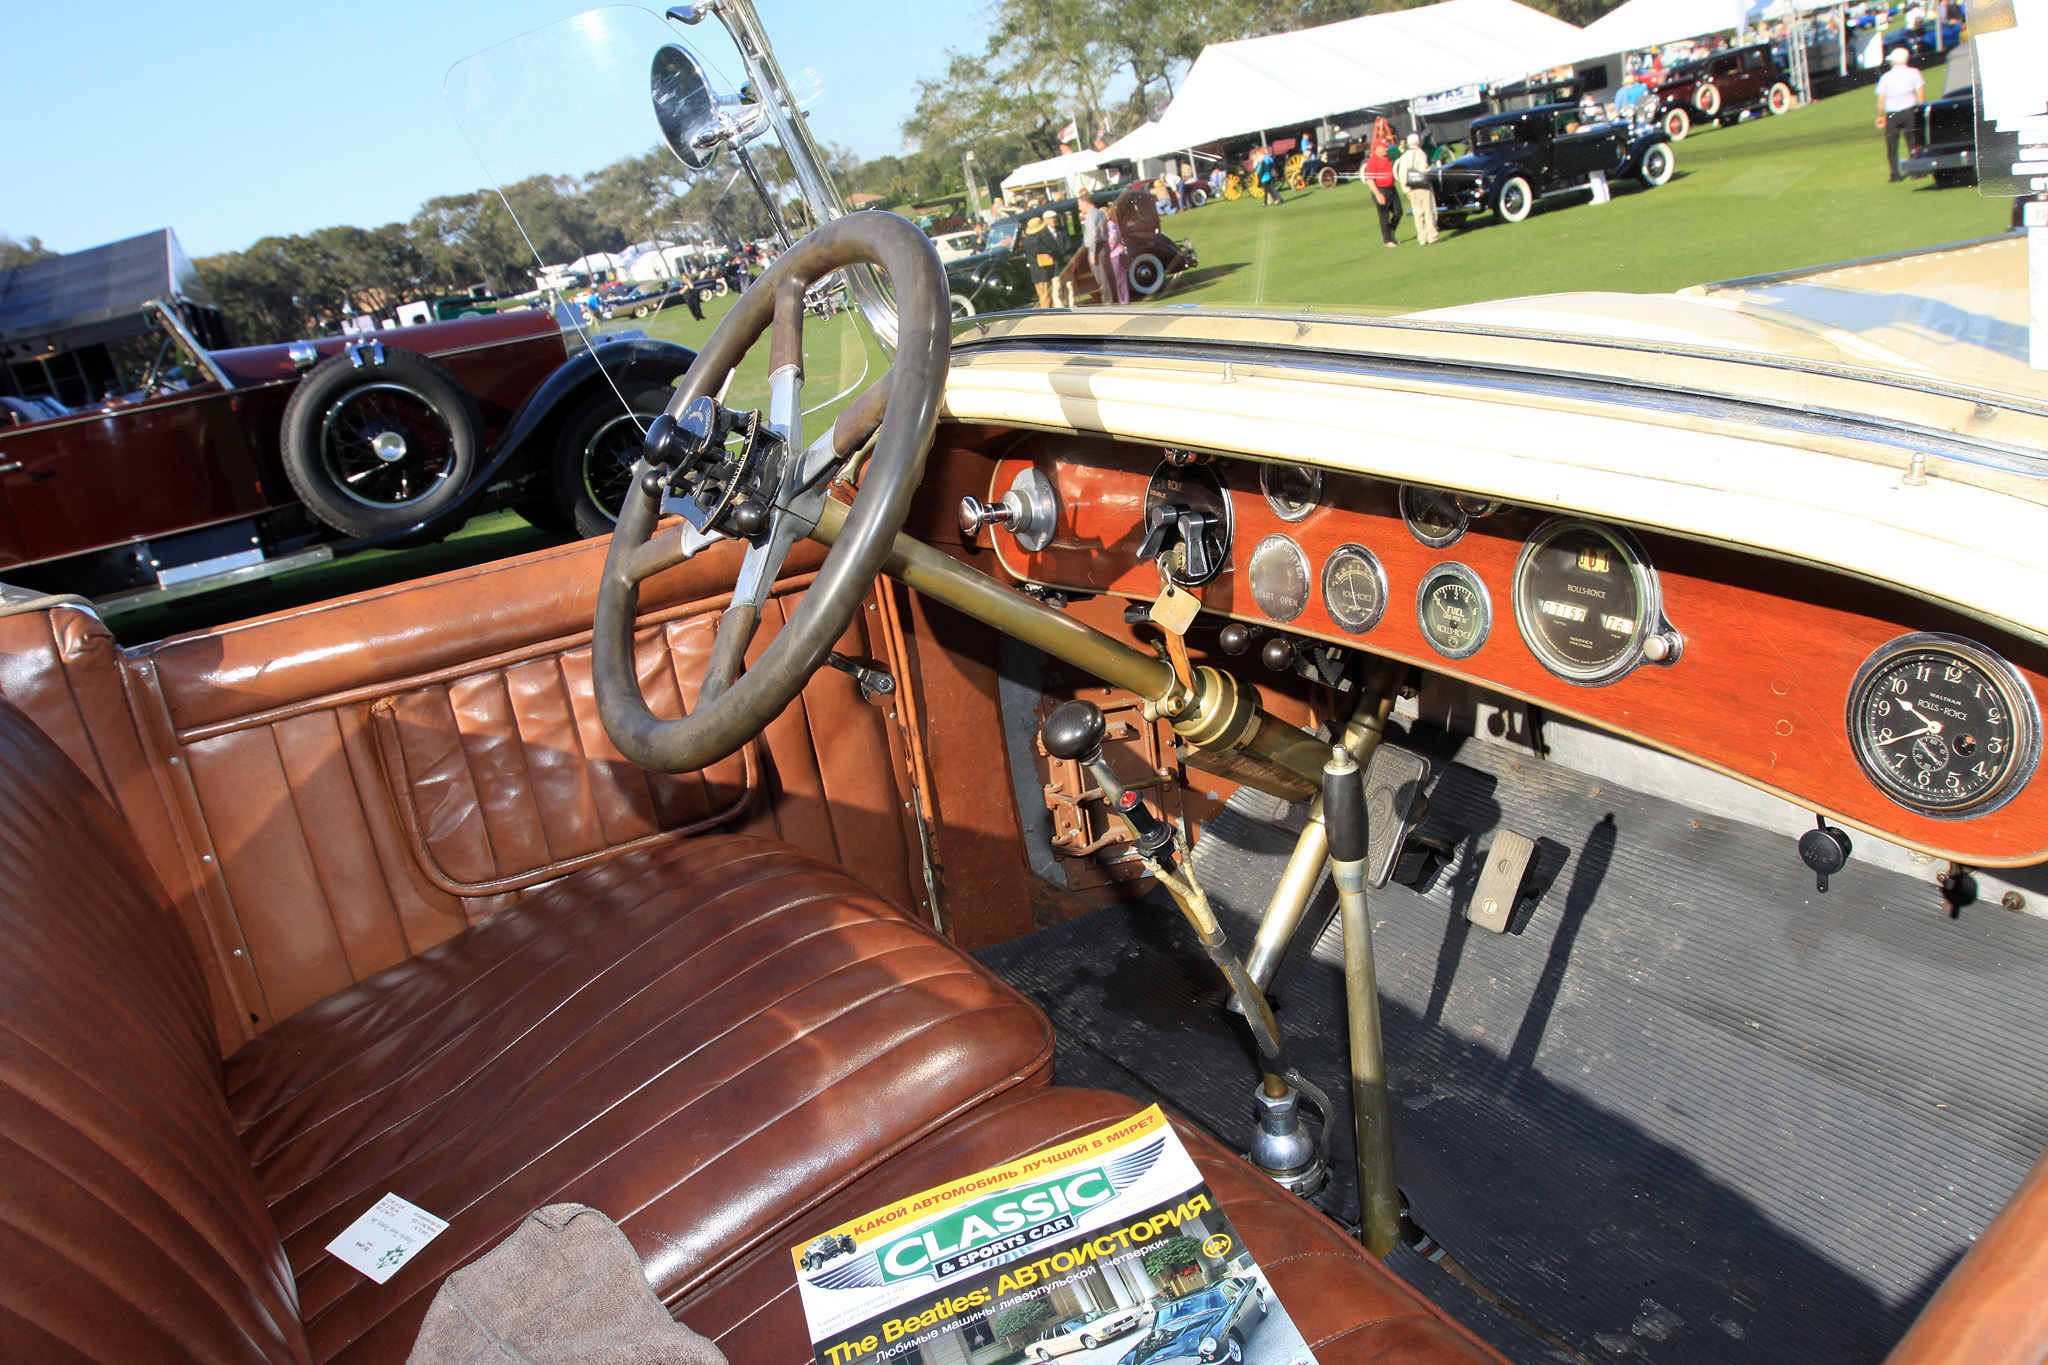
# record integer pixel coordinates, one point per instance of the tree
(1174, 1256)
(1020, 1316)
(13, 253)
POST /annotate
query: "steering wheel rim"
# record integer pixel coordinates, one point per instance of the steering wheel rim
(737, 701)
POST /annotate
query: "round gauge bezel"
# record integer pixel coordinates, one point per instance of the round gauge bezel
(1379, 573)
(1649, 603)
(1450, 500)
(1208, 474)
(1315, 497)
(1462, 573)
(1276, 542)
(2025, 710)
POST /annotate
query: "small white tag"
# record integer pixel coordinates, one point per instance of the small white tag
(386, 1237)
(1600, 191)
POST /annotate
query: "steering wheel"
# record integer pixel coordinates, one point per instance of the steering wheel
(737, 701)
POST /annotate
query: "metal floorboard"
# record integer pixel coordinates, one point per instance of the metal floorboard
(1686, 1110)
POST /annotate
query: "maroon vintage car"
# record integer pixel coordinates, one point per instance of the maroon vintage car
(205, 464)
(1721, 87)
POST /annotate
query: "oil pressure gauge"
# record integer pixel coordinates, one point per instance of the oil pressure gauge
(1944, 726)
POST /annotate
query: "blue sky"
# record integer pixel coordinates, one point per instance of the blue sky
(228, 120)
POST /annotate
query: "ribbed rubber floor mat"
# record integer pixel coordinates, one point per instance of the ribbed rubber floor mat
(1686, 1110)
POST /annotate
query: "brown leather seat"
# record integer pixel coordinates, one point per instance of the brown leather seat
(700, 1038)
(725, 1044)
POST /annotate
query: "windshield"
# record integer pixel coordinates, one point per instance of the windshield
(1194, 1306)
(1301, 172)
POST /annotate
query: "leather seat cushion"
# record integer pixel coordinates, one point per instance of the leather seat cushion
(1350, 1308)
(702, 1039)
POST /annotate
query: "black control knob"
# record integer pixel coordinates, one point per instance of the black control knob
(1826, 850)
(750, 517)
(1235, 638)
(1278, 654)
(1344, 812)
(1074, 731)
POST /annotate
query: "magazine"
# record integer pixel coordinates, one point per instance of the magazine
(1107, 1249)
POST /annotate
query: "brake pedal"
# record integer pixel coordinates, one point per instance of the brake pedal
(1395, 803)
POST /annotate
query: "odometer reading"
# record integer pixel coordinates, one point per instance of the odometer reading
(1943, 726)
(1354, 588)
(1454, 611)
(1585, 600)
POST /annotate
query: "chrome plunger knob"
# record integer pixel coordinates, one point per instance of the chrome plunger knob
(975, 514)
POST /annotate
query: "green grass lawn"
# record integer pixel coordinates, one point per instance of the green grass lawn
(1766, 194)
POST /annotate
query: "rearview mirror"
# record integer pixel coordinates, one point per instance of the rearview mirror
(683, 107)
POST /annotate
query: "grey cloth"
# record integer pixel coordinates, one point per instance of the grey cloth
(1094, 226)
(565, 1287)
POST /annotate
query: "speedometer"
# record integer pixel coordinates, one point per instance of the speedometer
(1586, 601)
(1943, 726)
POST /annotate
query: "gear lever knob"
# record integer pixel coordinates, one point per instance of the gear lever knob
(1074, 731)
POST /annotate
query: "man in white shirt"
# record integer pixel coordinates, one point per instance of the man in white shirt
(1900, 91)
(1412, 162)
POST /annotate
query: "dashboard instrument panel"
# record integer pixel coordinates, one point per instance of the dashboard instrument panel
(1768, 670)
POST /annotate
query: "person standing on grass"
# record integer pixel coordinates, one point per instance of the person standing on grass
(1410, 172)
(1900, 91)
(1119, 274)
(1379, 178)
(1095, 241)
(1037, 245)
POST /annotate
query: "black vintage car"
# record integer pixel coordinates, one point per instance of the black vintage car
(1519, 158)
(1943, 139)
(997, 279)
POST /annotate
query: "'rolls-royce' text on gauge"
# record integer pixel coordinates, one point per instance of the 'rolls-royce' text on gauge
(1454, 611)
(1433, 518)
(1354, 588)
(1943, 726)
(1279, 575)
(1291, 490)
(1586, 600)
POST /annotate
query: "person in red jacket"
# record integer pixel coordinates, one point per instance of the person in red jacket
(1379, 178)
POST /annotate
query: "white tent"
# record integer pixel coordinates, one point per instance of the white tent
(1638, 24)
(1075, 170)
(1287, 79)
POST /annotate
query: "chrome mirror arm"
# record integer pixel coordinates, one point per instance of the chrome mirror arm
(794, 133)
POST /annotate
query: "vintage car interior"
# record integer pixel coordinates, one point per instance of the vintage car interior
(1580, 779)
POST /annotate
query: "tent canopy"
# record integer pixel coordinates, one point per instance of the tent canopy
(97, 294)
(1288, 79)
(1638, 24)
(1054, 168)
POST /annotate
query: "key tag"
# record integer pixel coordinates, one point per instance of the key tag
(1175, 608)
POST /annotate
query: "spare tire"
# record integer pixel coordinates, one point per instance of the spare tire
(1707, 100)
(1147, 274)
(377, 439)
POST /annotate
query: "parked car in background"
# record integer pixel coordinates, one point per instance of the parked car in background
(649, 297)
(998, 278)
(142, 456)
(1517, 159)
(1085, 1332)
(1721, 87)
(1942, 139)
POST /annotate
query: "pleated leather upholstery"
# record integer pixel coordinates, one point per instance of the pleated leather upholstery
(699, 1038)
(1350, 1308)
(131, 1227)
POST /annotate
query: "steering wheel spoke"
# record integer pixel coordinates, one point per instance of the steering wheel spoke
(788, 486)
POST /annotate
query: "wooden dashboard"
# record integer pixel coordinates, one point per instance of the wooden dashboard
(1760, 687)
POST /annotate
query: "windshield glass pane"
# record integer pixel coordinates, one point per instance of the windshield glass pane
(603, 223)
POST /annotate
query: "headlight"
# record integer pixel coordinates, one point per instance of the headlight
(1208, 1346)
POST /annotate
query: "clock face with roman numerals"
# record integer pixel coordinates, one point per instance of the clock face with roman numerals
(1943, 726)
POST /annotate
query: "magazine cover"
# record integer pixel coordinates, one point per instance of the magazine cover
(1105, 1250)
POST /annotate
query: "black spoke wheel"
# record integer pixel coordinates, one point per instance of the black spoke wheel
(382, 445)
(593, 459)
